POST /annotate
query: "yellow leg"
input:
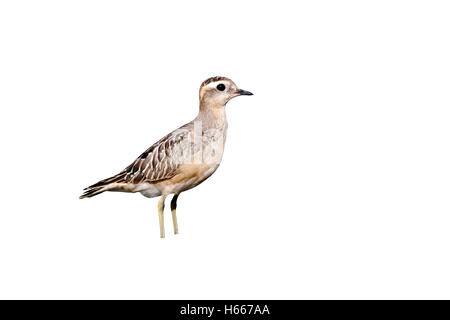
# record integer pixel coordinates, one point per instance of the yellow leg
(173, 208)
(161, 215)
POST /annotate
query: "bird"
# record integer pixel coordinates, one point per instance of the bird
(182, 159)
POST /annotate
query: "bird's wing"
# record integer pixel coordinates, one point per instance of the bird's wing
(160, 161)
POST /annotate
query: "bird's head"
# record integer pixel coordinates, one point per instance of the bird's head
(217, 91)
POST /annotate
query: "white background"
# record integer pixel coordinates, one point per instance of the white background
(335, 181)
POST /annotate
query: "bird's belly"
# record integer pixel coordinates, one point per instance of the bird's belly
(190, 175)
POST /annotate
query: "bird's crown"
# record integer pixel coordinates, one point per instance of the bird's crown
(213, 79)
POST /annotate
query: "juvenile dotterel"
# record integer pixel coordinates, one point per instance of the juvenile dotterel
(184, 158)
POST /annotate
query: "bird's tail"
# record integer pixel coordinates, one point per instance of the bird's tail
(90, 192)
(102, 186)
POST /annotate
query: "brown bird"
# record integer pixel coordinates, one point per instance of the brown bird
(182, 159)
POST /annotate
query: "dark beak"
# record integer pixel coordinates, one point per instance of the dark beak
(244, 93)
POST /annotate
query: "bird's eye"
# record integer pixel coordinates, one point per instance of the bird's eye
(220, 87)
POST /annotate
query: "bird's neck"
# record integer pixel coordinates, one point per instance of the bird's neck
(212, 117)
